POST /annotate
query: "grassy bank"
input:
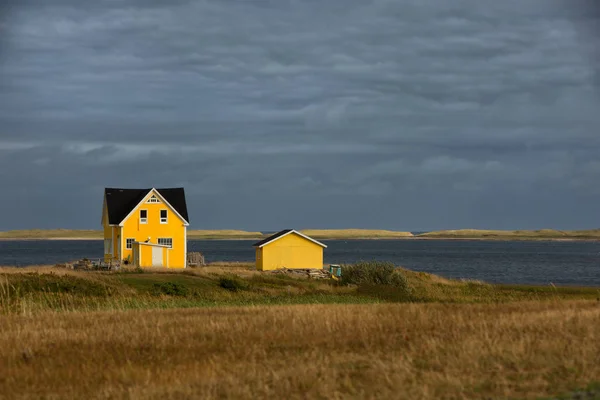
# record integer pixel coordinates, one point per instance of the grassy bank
(228, 331)
(541, 234)
(223, 234)
(33, 290)
(355, 234)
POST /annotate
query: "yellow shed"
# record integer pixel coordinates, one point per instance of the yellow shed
(288, 249)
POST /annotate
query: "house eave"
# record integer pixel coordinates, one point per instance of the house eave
(297, 233)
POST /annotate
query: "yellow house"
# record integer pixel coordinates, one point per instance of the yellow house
(145, 227)
(288, 249)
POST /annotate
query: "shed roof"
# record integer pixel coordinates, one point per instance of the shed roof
(120, 202)
(283, 233)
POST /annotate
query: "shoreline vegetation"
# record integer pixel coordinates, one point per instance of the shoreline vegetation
(329, 234)
(384, 331)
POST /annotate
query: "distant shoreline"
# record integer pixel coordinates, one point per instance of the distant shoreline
(331, 234)
(416, 238)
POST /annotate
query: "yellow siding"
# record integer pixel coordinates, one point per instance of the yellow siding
(145, 259)
(110, 233)
(107, 233)
(259, 259)
(291, 251)
(133, 229)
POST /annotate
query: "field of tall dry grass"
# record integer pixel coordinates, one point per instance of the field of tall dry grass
(378, 351)
(227, 331)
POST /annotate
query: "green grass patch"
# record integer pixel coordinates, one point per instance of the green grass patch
(23, 284)
(591, 392)
(372, 282)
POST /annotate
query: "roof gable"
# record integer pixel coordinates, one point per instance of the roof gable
(121, 202)
(283, 233)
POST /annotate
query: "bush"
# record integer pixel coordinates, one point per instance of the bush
(21, 284)
(374, 273)
(232, 283)
(170, 289)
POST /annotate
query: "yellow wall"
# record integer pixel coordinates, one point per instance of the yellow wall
(132, 228)
(109, 231)
(146, 255)
(259, 259)
(290, 251)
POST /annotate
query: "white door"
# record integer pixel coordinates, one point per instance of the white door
(157, 256)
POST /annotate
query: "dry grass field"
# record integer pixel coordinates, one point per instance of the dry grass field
(228, 331)
(378, 351)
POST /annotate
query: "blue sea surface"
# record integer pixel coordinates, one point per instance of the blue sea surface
(524, 262)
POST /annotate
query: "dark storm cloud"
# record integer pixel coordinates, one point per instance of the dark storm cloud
(392, 114)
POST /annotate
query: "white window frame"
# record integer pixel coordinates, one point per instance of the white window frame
(143, 220)
(165, 242)
(153, 200)
(164, 220)
(129, 243)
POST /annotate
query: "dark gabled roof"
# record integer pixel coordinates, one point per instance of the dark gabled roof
(272, 237)
(120, 202)
(176, 198)
(283, 233)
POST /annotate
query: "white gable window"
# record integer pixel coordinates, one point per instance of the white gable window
(153, 199)
(163, 216)
(129, 243)
(166, 241)
(143, 216)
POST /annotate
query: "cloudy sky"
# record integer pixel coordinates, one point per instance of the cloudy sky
(392, 114)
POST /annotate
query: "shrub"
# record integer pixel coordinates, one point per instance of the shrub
(374, 273)
(232, 283)
(21, 284)
(170, 289)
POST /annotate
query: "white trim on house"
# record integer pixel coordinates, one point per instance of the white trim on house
(112, 246)
(152, 244)
(185, 247)
(158, 240)
(153, 190)
(161, 218)
(297, 233)
(153, 200)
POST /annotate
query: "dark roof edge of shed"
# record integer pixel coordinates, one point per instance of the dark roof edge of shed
(283, 233)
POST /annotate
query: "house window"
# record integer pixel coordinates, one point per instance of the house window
(166, 242)
(163, 216)
(143, 216)
(153, 199)
(129, 243)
